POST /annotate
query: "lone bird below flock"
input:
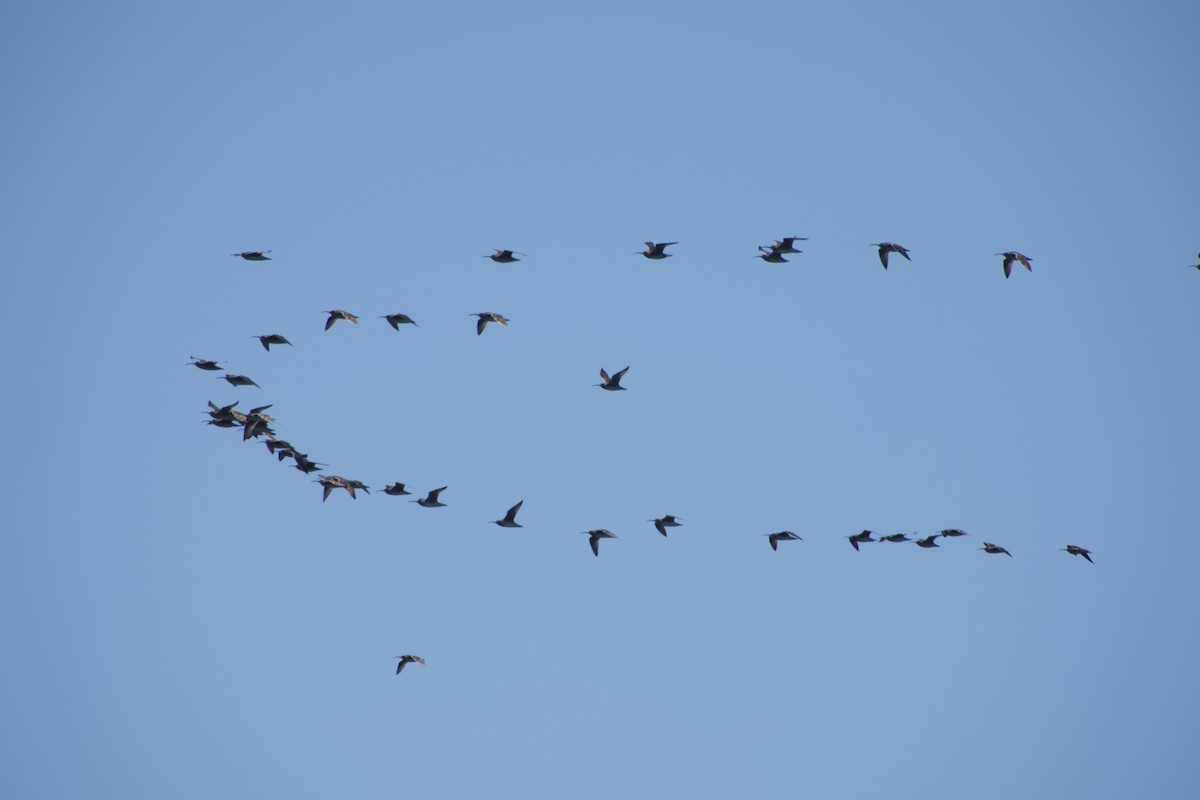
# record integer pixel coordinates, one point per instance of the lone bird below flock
(406, 660)
(612, 384)
(510, 519)
(1076, 550)
(253, 255)
(486, 317)
(270, 339)
(337, 314)
(1011, 256)
(595, 536)
(782, 536)
(655, 249)
(889, 247)
(662, 523)
(504, 256)
(994, 549)
(431, 500)
(396, 320)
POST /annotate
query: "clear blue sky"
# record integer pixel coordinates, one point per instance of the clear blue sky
(183, 617)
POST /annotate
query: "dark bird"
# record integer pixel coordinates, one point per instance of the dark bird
(395, 490)
(895, 537)
(337, 314)
(281, 445)
(928, 541)
(612, 384)
(857, 538)
(1076, 550)
(655, 249)
(431, 500)
(204, 363)
(257, 423)
(396, 320)
(271, 339)
(238, 380)
(993, 549)
(889, 247)
(486, 317)
(662, 523)
(951, 532)
(1010, 257)
(504, 256)
(406, 660)
(788, 244)
(772, 255)
(253, 255)
(595, 536)
(331, 482)
(510, 519)
(782, 536)
(305, 465)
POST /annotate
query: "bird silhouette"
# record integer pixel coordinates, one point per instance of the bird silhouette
(1076, 550)
(331, 482)
(431, 500)
(662, 523)
(396, 320)
(895, 537)
(783, 536)
(994, 549)
(504, 256)
(655, 250)
(858, 538)
(272, 338)
(484, 318)
(204, 363)
(595, 536)
(928, 541)
(1011, 256)
(889, 247)
(337, 314)
(773, 255)
(510, 519)
(253, 255)
(238, 380)
(612, 384)
(395, 489)
(406, 660)
(951, 532)
(788, 244)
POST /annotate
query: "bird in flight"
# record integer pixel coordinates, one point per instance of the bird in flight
(204, 363)
(950, 532)
(395, 490)
(486, 317)
(773, 255)
(253, 255)
(994, 549)
(431, 500)
(510, 519)
(504, 256)
(1076, 550)
(782, 536)
(612, 384)
(595, 536)
(889, 247)
(1011, 256)
(396, 320)
(238, 380)
(337, 314)
(655, 250)
(273, 338)
(406, 660)
(858, 538)
(895, 537)
(662, 523)
(788, 244)
(928, 541)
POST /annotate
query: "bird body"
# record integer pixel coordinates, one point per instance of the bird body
(253, 255)
(612, 384)
(656, 250)
(1012, 255)
(510, 519)
(889, 247)
(504, 256)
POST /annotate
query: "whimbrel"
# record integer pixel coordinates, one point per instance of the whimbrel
(788, 244)
(951, 532)
(510, 519)
(331, 482)
(612, 384)
(994, 549)
(337, 314)
(406, 660)
(484, 318)
(782, 536)
(504, 256)
(431, 500)
(865, 536)
(395, 490)
(253, 255)
(889, 247)
(655, 249)
(772, 255)
(662, 523)
(928, 541)
(238, 380)
(1076, 550)
(273, 338)
(895, 537)
(595, 536)
(396, 320)
(204, 363)
(1012, 255)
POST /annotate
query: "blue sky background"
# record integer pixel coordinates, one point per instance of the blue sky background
(183, 616)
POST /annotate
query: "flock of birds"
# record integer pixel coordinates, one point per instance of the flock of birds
(257, 424)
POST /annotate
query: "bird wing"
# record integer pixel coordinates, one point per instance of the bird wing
(658, 524)
(617, 378)
(903, 251)
(400, 666)
(329, 322)
(604, 375)
(1007, 266)
(594, 541)
(854, 542)
(511, 516)
(1024, 262)
(883, 254)
(433, 496)
(480, 325)
(774, 540)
